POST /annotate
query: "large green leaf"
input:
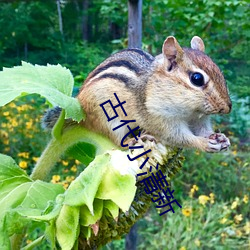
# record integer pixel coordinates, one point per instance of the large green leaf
(83, 189)
(6, 186)
(67, 226)
(86, 218)
(21, 199)
(53, 82)
(39, 194)
(105, 178)
(118, 188)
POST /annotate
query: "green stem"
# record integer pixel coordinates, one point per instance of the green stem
(57, 147)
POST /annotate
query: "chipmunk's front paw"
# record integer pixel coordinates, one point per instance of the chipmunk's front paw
(141, 138)
(217, 142)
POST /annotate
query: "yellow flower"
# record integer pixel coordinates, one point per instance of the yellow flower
(6, 113)
(70, 178)
(245, 199)
(223, 220)
(203, 199)
(182, 248)
(224, 164)
(29, 124)
(65, 185)
(235, 203)
(4, 134)
(55, 178)
(23, 164)
(73, 168)
(197, 242)
(192, 190)
(65, 163)
(24, 154)
(223, 235)
(6, 141)
(247, 228)
(35, 159)
(12, 105)
(234, 152)
(23, 107)
(6, 149)
(14, 123)
(238, 218)
(238, 159)
(77, 162)
(187, 211)
(211, 195)
(238, 233)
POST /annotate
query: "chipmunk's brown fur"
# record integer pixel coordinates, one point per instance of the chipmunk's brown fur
(159, 95)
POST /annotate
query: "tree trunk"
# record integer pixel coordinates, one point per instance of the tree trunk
(59, 16)
(135, 23)
(85, 20)
(131, 238)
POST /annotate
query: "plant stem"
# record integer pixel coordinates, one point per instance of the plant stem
(57, 147)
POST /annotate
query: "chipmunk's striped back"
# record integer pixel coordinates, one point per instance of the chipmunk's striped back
(124, 66)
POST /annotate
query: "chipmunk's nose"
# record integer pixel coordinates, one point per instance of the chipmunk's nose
(227, 108)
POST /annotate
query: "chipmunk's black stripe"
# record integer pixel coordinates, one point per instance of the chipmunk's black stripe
(118, 63)
(142, 53)
(118, 77)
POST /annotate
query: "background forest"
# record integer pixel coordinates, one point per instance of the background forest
(212, 188)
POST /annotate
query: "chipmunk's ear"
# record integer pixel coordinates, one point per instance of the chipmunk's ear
(197, 43)
(171, 49)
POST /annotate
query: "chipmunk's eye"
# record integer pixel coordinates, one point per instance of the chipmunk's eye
(197, 79)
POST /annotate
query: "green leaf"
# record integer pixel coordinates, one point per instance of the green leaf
(83, 189)
(48, 216)
(118, 188)
(26, 202)
(83, 152)
(20, 197)
(112, 208)
(86, 231)
(14, 223)
(53, 82)
(4, 240)
(6, 186)
(39, 194)
(86, 218)
(50, 234)
(57, 129)
(67, 226)
(14, 198)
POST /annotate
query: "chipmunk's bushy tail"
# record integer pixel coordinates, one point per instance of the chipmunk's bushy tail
(50, 117)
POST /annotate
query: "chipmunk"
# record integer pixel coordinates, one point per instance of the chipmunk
(171, 96)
